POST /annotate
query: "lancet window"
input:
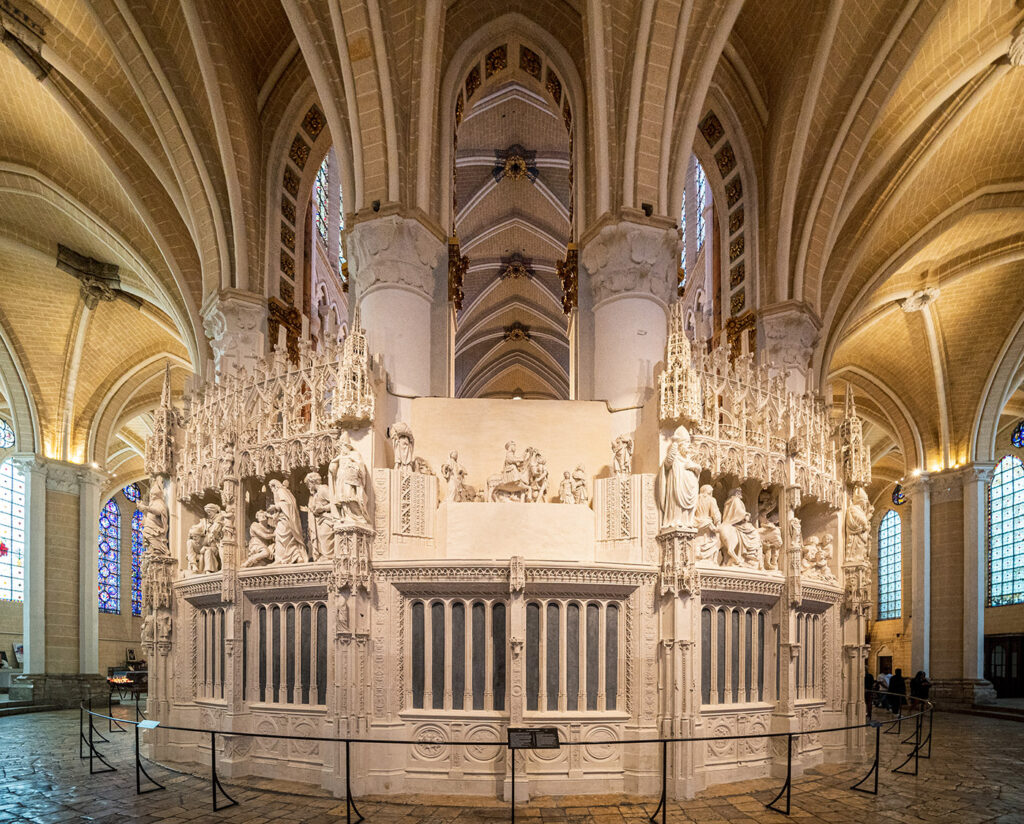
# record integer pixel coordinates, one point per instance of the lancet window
(110, 558)
(321, 199)
(12, 533)
(137, 562)
(733, 654)
(1006, 534)
(572, 655)
(692, 223)
(890, 565)
(132, 493)
(459, 654)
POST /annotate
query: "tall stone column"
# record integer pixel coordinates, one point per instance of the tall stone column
(975, 479)
(34, 607)
(918, 492)
(235, 322)
(394, 265)
(88, 564)
(62, 598)
(789, 332)
(958, 556)
(633, 269)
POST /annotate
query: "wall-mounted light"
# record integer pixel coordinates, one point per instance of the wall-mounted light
(517, 394)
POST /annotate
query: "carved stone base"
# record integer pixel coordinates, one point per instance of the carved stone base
(679, 576)
(957, 693)
(66, 690)
(158, 572)
(352, 558)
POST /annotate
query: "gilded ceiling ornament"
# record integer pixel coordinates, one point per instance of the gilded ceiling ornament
(517, 332)
(515, 267)
(515, 163)
(457, 266)
(568, 273)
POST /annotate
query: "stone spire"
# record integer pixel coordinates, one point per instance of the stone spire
(160, 445)
(856, 456)
(679, 384)
(355, 395)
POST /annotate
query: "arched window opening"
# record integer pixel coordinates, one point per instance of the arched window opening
(890, 564)
(693, 231)
(12, 533)
(1006, 534)
(132, 493)
(137, 562)
(110, 558)
(6, 435)
(321, 199)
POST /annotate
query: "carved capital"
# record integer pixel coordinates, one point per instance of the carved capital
(624, 258)
(234, 321)
(394, 251)
(791, 330)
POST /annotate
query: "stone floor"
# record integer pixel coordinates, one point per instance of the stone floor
(974, 775)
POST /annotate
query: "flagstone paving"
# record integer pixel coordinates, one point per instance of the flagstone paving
(974, 775)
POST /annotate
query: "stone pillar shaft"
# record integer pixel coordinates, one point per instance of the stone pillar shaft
(919, 493)
(88, 566)
(34, 606)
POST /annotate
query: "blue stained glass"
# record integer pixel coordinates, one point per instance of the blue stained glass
(1017, 438)
(137, 563)
(110, 558)
(890, 566)
(1006, 533)
(321, 200)
(700, 182)
(12, 533)
(898, 496)
(132, 492)
(6, 435)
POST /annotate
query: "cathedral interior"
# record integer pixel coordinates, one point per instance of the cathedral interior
(422, 369)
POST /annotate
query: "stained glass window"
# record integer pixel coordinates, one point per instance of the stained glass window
(700, 182)
(6, 435)
(12, 533)
(899, 497)
(137, 562)
(682, 256)
(1017, 438)
(890, 565)
(321, 200)
(132, 493)
(110, 558)
(1006, 534)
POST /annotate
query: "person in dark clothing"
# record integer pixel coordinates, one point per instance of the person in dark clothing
(920, 685)
(869, 685)
(897, 692)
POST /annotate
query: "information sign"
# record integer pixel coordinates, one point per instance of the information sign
(533, 738)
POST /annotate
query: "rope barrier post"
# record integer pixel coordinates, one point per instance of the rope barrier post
(215, 784)
(662, 804)
(787, 787)
(140, 770)
(81, 730)
(512, 754)
(874, 767)
(350, 803)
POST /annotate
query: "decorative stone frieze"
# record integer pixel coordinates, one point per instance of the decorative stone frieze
(633, 258)
(393, 251)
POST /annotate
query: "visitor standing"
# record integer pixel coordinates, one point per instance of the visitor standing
(919, 686)
(897, 692)
(869, 686)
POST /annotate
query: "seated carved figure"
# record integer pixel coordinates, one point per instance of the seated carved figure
(741, 543)
(261, 541)
(768, 528)
(707, 518)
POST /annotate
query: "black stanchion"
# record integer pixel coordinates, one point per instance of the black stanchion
(663, 803)
(512, 755)
(81, 732)
(96, 732)
(350, 802)
(874, 767)
(788, 786)
(913, 753)
(140, 771)
(216, 781)
(112, 725)
(931, 723)
(95, 753)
